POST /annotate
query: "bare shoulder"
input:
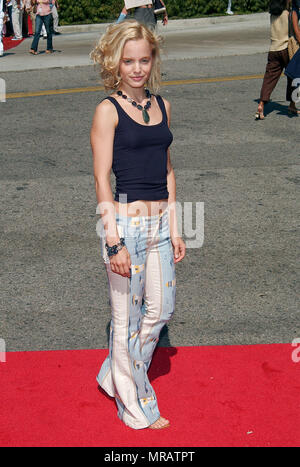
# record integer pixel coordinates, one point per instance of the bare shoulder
(106, 113)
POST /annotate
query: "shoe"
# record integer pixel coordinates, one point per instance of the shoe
(260, 113)
(229, 12)
(17, 38)
(44, 37)
(49, 51)
(32, 52)
(293, 111)
(57, 33)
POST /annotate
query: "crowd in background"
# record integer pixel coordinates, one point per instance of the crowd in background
(19, 11)
(16, 17)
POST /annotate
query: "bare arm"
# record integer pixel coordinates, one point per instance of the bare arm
(102, 139)
(296, 25)
(165, 20)
(178, 243)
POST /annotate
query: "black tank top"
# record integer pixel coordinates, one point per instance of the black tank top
(140, 157)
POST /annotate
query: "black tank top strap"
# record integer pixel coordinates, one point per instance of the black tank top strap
(115, 102)
(111, 99)
(162, 107)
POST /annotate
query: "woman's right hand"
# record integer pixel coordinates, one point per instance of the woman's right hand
(121, 263)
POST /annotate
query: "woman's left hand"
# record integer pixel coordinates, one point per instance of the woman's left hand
(179, 248)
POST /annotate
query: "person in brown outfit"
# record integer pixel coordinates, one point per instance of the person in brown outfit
(278, 57)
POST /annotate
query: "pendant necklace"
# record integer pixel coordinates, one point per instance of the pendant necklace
(144, 109)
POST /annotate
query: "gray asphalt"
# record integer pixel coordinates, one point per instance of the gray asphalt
(240, 287)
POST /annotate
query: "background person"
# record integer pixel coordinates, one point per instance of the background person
(55, 16)
(229, 10)
(295, 19)
(30, 10)
(17, 19)
(144, 14)
(55, 20)
(2, 13)
(278, 56)
(293, 68)
(9, 24)
(43, 16)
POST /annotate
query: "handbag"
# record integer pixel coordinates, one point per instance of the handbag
(159, 7)
(293, 44)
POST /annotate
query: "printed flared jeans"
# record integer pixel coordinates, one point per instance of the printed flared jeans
(141, 305)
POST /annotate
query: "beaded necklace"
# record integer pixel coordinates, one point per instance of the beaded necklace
(146, 116)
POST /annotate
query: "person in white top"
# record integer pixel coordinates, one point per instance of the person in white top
(17, 18)
(55, 16)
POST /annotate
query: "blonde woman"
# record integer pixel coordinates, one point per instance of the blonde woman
(130, 134)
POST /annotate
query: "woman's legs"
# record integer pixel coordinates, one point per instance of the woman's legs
(48, 20)
(39, 21)
(135, 328)
(38, 28)
(273, 72)
(272, 75)
(277, 62)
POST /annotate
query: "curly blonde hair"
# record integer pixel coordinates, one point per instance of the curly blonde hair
(108, 52)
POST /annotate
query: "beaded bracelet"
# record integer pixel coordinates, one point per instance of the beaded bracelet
(113, 250)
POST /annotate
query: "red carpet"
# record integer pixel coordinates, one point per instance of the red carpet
(213, 396)
(8, 43)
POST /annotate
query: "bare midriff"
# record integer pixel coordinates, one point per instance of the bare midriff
(141, 208)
